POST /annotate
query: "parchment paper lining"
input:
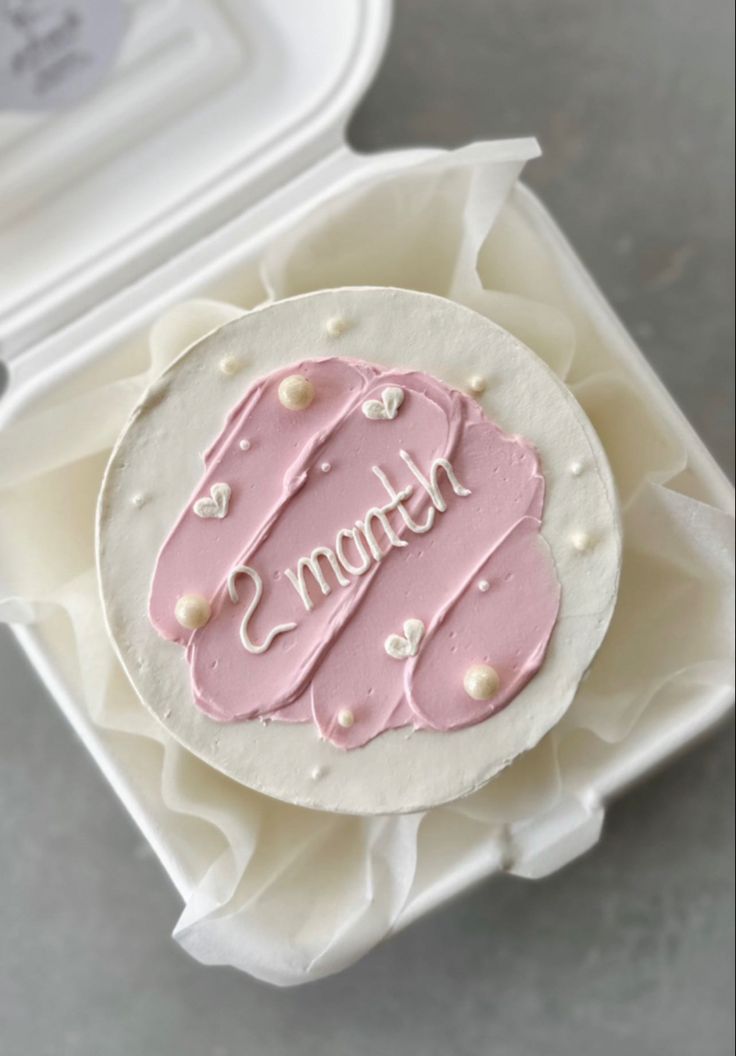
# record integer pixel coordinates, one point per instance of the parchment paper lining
(290, 895)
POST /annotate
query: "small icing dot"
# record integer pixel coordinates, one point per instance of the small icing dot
(336, 326)
(481, 682)
(296, 393)
(229, 365)
(483, 585)
(244, 445)
(477, 384)
(317, 772)
(326, 467)
(576, 468)
(581, 541)
(138, 501)
(192, 611)
(345, 718)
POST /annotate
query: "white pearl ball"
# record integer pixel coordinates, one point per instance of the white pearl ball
(336, 327)
(345, 718)
(229, 365)
(296, 393)
(477, 384)
(192, 611)
(484, 586)
(481, 682)
(581, 541)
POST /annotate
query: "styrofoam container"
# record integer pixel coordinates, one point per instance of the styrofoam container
(192, 231)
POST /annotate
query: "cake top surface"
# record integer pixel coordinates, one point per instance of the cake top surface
(357, 549)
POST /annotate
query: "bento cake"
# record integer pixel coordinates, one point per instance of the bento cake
(378, 551)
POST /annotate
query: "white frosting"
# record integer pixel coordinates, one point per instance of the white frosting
(283, 628)
(363, 533)
(393, 772)
(401, 648)
(354, 535)
(216, 504)
(387, 407)
(312, 564)
(398, 497)
(432, 484)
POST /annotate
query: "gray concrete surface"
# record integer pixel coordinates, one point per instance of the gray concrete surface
(629, 950)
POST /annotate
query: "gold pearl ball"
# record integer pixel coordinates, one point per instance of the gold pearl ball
(481, 682)
(296, 393)
(192, 611)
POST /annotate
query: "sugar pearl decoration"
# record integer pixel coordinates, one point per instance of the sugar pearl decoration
(229, 365)
(317, 772)
(483, 586)
(192, 611)
(477, 384)
(296, 393)
(576, 468)
(581, 541)
(481, 682)
(326, 467)
(138, 501)
(244, 445)
(345, 718)
(336, 326)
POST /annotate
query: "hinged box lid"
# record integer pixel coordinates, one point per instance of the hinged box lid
(210, 106)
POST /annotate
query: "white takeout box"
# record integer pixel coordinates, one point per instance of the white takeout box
(228, 123)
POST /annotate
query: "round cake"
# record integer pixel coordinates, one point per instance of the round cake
(357, 549)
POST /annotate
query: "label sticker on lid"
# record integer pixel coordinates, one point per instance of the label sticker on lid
(53, 53)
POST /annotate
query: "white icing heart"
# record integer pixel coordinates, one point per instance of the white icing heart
(402, 648)
(215, 504)
(387, 407)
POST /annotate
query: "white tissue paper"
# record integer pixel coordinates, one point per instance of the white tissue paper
(288, 894)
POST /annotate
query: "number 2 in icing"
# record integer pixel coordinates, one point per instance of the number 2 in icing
(282, 628)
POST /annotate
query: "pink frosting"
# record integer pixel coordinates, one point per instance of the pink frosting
(305, 476)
